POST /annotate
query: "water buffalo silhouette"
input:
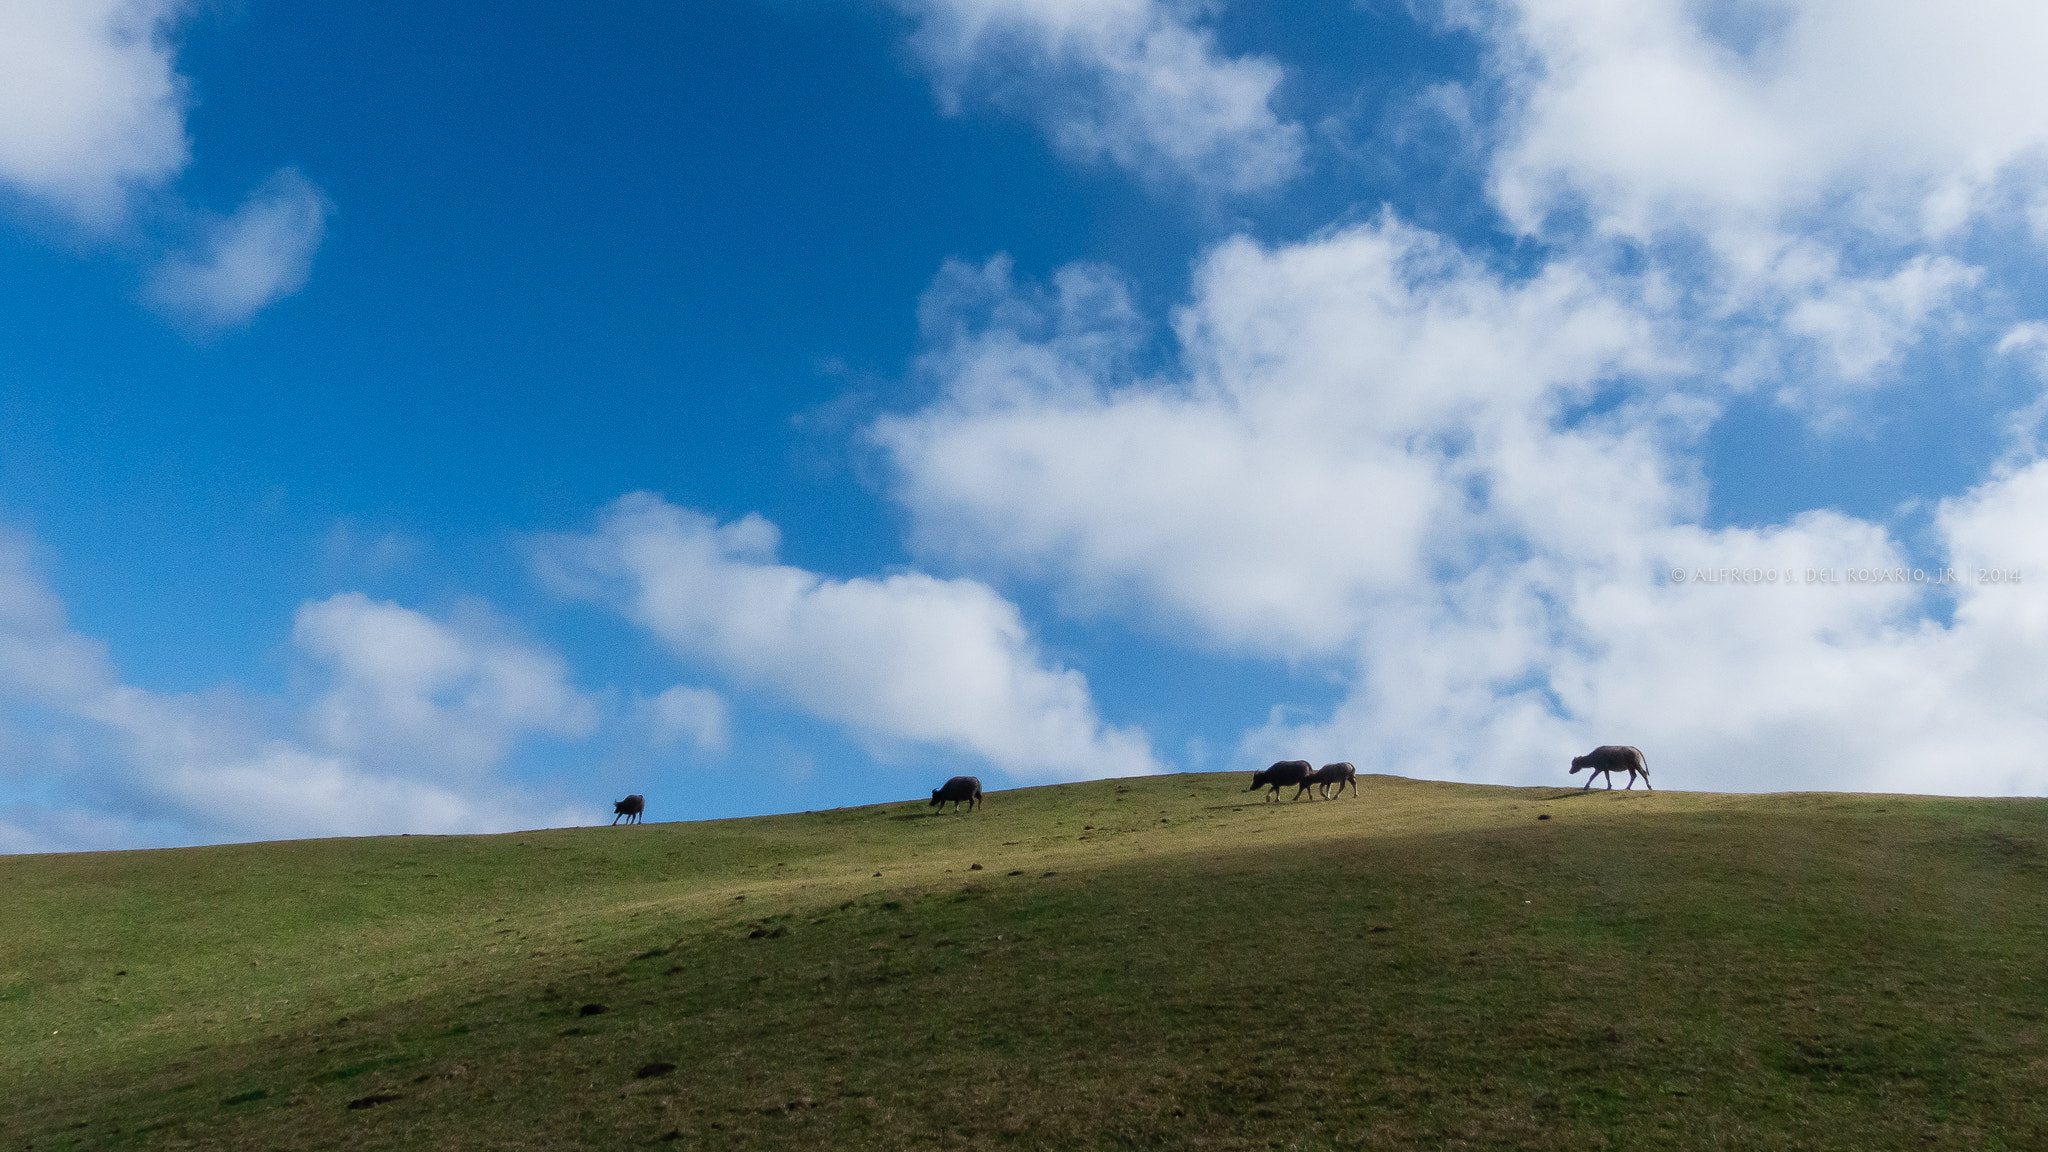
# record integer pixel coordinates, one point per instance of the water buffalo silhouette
(959, 788)
(1612, 758)
(1339, 774)
(629, 809)
(1282, 774)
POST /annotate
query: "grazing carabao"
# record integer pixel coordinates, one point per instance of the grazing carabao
(959, 788)
(1282, 774)
(1612, 758)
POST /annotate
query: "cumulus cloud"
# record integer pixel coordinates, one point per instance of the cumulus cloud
(1341, 398)
(698, 715)
(25, 828)
(92, 131)
(1807, 170)
(91, 107)
(1467, 493)
(1669, 113)
(417, 711)
(2030, 337)
(40, 658)
(1861, 324)
(248, 261)
(904, 659)
(411, 691)
(1734, 686)
(1130, 81)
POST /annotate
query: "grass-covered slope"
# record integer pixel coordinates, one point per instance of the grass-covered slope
(1159, 962)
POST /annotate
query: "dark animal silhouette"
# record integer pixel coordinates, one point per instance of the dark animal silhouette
(1612, 758)
(959, 788)
(629, 809)
(1338, 774)
(1281, 774)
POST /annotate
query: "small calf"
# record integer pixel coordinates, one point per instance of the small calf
(1339, 774)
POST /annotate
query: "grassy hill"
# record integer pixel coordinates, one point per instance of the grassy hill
(1156, 962)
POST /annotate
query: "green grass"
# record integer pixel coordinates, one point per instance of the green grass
(1158, 962)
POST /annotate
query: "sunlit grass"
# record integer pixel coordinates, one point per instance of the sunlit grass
(1159, 962)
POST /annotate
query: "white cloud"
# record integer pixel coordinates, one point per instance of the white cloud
(1131, 81)
(1663, 113)
(1807, 169)
(247, 261)
(29, 829)
(1461, 492)
(347, 545)
(1862, 324)
(411, 691)
(698, 715)
(2037, 218)
(1339, 397)
(1729, 686)
(92, 131)
(91, 108)
(2023, 425)
(418, 710)
(2031, 336)
(41, 659)
(904, 659)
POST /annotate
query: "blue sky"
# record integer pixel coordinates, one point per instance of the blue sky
(455, 419)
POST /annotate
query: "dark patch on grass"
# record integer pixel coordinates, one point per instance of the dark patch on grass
(248, 1097)
(658, 1068)
(372, 1100)
(592, 1010)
